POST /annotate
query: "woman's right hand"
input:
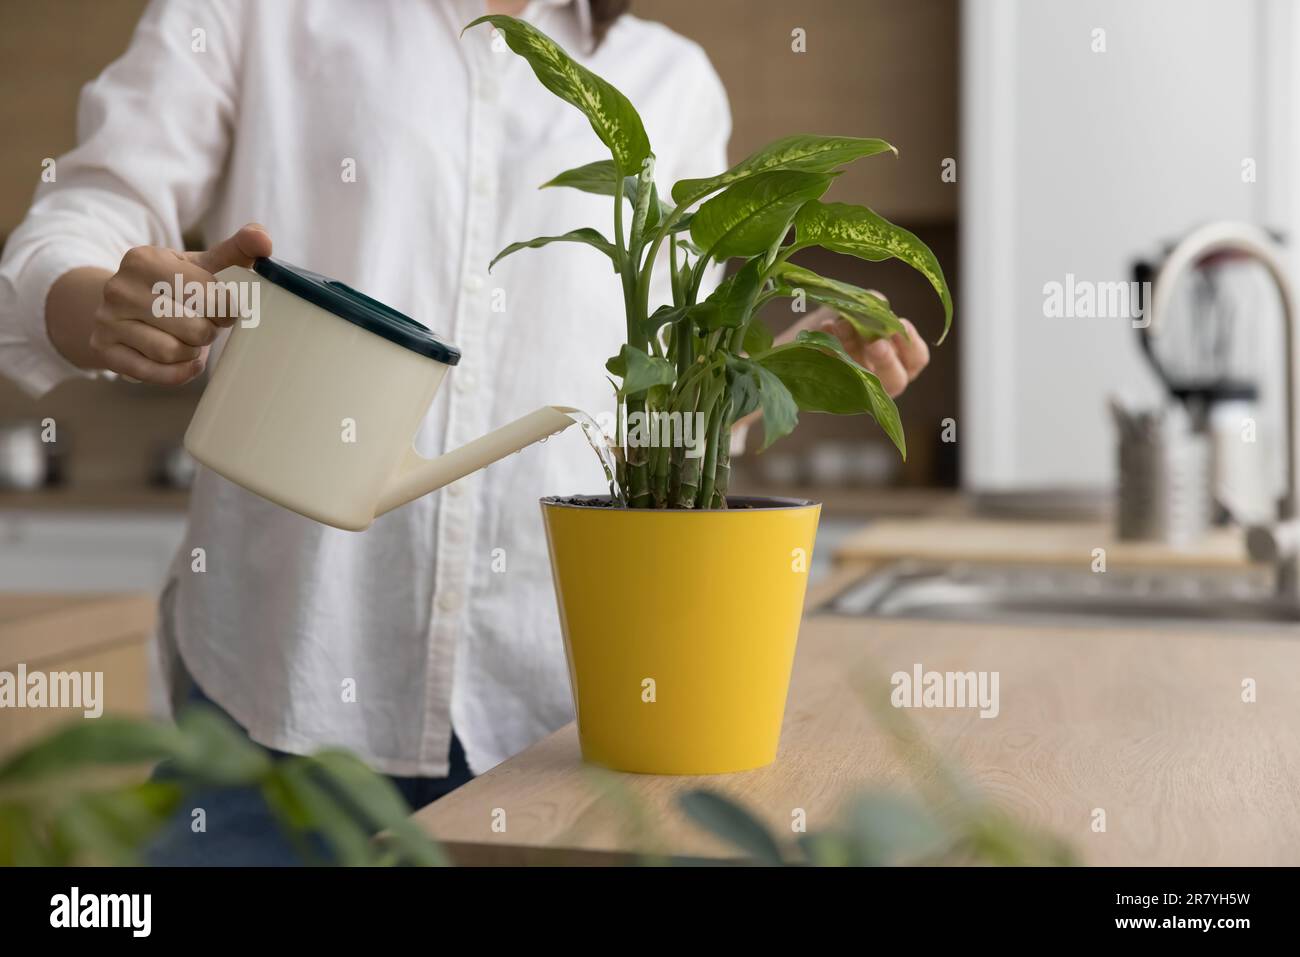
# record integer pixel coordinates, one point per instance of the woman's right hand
(167, 345)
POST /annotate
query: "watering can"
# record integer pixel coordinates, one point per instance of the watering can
(318, 395)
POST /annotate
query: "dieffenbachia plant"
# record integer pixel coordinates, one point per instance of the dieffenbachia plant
(710, 358)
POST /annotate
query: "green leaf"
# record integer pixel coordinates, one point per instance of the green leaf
(610, 113)
(889, 829)
(585, 235)
(758, 337)
(824, 379)
(780, 411)
(645, 198)
(639, 370)
(826, 849)
(729, 821)
(322, 813)
(110, 826)
(108, 740)
(857, 231)
(748, 217)
(685, 272)
(662, 317)
(216, 751)
(732, 303)
(867, 312)
(375, 797)
(742, 382)
(599, 177)
(22, 839)
(823, 340)
(806, 152)
(766, 391)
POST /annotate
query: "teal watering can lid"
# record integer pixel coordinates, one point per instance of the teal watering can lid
(358, 309)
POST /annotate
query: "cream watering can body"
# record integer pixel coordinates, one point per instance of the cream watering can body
(317, 397)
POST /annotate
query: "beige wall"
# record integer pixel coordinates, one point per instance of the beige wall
(873, 67)
(48, 50)
(884, 68)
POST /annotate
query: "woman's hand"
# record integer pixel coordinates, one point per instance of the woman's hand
(109, 321)
(895, 361)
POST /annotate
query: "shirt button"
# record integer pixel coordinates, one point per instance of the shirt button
(482, 185)
(473, 283)
(449, 601)
(455, 535)
(456, 489)
(487, 90)
(465, 383)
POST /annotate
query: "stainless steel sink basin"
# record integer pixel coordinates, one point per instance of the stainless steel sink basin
(978, 592)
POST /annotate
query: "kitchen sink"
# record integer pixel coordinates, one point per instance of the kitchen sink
(1010, 592)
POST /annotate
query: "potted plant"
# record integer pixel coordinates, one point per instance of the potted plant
(680, 607)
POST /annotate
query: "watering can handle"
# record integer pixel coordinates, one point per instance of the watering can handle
(418, 476)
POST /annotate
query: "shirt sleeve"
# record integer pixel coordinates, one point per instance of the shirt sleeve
(153, 134)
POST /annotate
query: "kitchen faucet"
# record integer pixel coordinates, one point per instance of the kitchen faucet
(1279, 542)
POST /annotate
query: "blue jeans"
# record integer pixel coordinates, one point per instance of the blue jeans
(240, 829)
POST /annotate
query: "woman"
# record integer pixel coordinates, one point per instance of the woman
(377, 146)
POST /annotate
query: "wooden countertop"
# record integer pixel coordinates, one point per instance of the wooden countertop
(106, 634)
(97, 496)
(35, 628)
(1147, 724)
(958, 538)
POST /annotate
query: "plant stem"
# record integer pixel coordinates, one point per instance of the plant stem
(620, 248)
(683, 346)
(779, 258)
(697, 277)
(722, 473)
(636, 482)
(661, 466)
(674, 278)
(641, 210)
(709, 475)
(689, 483)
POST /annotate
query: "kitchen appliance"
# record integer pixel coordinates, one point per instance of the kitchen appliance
(1275, 540)
(317, 396)
(1205, 350)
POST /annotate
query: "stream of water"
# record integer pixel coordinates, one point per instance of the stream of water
(599, 443)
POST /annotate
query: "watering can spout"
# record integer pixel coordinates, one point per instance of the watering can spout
(417, 476)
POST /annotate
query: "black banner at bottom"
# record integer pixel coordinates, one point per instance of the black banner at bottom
(331, 906)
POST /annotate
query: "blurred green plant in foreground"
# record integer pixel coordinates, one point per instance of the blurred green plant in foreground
(880, 829)
(946, 821)
(55, 808)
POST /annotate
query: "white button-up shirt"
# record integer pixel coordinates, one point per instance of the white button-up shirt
(443, 613)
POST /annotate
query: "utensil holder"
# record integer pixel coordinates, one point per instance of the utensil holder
(1165, 487)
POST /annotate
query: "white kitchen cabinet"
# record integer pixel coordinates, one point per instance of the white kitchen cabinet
(1076, 161)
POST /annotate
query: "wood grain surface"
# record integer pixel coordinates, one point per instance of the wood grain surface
(964, 539)
(1148, 725)
(83, 633)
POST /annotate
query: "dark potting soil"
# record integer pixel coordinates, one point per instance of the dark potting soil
(739, 502)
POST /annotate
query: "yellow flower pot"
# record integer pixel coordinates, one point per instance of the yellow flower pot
(680, 629)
